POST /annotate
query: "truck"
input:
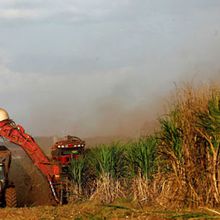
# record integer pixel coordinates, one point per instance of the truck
(70, 147)
(7, 189)
(53, 169)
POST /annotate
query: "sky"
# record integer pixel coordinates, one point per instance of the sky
(97, 67)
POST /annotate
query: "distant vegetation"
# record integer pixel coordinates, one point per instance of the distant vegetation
(178, 166)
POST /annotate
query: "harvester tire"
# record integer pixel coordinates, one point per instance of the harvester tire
(10, 197)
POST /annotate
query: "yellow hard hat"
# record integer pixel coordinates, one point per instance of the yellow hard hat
(3, 114)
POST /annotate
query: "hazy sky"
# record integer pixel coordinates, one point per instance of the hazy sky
(97, 67)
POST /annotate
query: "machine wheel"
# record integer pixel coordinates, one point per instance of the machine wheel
(10, 197)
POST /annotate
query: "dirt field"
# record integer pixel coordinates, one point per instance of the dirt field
(91, 211)
(71, 212)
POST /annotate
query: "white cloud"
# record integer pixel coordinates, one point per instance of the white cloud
(55, 9)
(20, 14)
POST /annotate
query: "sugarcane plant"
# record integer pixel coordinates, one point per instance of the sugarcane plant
(208, 126)
(142, 157)
(76, 171)
(171, 141)
(109, 166)
(141, 165)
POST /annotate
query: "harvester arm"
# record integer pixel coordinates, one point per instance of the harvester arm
(16, 134)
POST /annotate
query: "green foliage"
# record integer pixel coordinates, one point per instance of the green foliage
(117, 161)
(76, 169)
(209, 120)
(141, 156)
(171, 134)
(108, 159)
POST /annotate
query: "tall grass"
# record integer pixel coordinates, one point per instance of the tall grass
(178, 165)
(113, 171)
(76, 169)
(109, 159)
(171, 140)
(189, 143)
(142, 157)
(109, 164)
(141, 165)
(208, 126)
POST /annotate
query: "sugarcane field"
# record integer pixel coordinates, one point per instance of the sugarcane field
(109, 109)
(171, 172)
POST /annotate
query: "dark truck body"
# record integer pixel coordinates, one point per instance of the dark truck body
(7, 190)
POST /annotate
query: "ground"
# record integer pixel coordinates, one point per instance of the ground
(92, 211)
(77, 212)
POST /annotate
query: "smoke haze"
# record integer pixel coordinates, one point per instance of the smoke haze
(94, 68)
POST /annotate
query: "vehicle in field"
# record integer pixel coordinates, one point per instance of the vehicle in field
(70, 147)
(7, 189)
(53, 169)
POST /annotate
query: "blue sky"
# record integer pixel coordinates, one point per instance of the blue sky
(97, 67)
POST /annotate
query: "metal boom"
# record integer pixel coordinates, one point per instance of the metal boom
(16, 134)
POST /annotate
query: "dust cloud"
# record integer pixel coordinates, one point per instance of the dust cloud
(106, 116)
(122, 112)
